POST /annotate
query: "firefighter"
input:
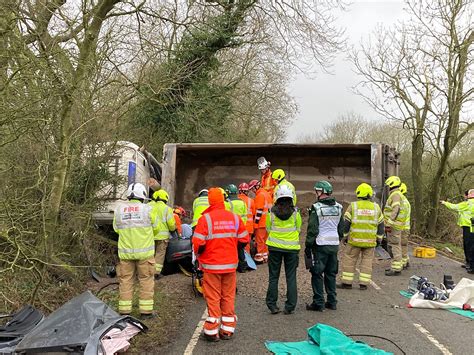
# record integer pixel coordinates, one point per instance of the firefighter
(249, 202)
(215, 242)
(283, 226)
(406, 230)
(465, 211)
(266, 181)
(165, 224)
(200, 203)
(280, 176)
(263, 202)
(237, 205)
(363, 226)
(325, 230)
(133, 222)
(396, 216)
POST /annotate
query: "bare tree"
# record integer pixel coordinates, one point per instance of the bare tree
(420, 74)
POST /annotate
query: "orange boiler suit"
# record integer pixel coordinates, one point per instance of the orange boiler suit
(268, 183)
(215, 242)
(263, 203)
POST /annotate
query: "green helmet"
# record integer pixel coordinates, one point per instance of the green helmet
(231, 189)
(323, 186)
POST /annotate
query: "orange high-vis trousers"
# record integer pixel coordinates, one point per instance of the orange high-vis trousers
(219, 292)
(261, 236)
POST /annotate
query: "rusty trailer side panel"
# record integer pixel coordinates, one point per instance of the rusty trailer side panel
(188, 168)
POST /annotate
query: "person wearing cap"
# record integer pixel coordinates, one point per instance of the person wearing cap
(135, 224)
(200, 204)
(218, 235)
(363, 230)
(280, 177)
(465, 212)
(283, 226)
(165, 225)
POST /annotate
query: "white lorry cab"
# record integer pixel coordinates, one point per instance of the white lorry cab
(128, 164)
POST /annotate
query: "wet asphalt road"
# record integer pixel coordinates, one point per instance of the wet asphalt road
(373, 312)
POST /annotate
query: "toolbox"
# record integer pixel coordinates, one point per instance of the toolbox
(424, 252)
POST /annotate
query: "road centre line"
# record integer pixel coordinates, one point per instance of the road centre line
(431, 338)
(197, 332)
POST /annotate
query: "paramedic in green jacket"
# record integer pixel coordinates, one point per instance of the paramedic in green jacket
(325, 230)
(465, 212)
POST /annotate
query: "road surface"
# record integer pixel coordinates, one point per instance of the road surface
(379, 311)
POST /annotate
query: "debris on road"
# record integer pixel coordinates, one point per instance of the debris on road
(85, 324)
(323, 339)
(20, 324)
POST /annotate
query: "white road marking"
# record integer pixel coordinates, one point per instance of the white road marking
(197, 332)
(431, 338)
(373, 284)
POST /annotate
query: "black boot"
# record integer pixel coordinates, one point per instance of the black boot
(392, 273)
(314, 307)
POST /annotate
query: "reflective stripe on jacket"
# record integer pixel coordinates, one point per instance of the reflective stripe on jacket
(396, 210)
(329, 217)
(133, 222)
(239, 208)
(219, 232)
(465, 211)
(285, 182)
(199, 206)
(365, 216)
(284, 234)
(263, 202)
(249, 203)
(268, 183)
(165, 222)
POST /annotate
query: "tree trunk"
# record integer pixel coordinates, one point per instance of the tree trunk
(417, 177)
(71, 111)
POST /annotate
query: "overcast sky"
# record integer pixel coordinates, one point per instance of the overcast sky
(322, 99)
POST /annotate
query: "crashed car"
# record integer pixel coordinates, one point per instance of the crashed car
(178, 252)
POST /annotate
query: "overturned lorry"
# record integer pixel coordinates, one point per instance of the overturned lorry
(188, 168)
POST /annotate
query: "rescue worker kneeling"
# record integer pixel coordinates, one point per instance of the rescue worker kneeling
(133, 222)
(283, 226)
(215, 241)
(363, 226)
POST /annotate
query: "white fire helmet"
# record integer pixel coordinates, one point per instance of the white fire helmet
(283, 191)
(262, 163)
(137, 191)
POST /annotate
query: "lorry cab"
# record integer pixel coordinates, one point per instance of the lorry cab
(128, 164)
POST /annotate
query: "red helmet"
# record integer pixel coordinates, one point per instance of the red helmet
(243, 187)
(253, 184)
(180, 211)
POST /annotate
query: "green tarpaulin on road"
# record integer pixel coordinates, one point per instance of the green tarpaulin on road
(323, 339)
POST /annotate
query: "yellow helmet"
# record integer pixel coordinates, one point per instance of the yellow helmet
(278, 174)
(364, 190)
(161, 195)
(403, 188)
(226, 195)
(393, 181)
